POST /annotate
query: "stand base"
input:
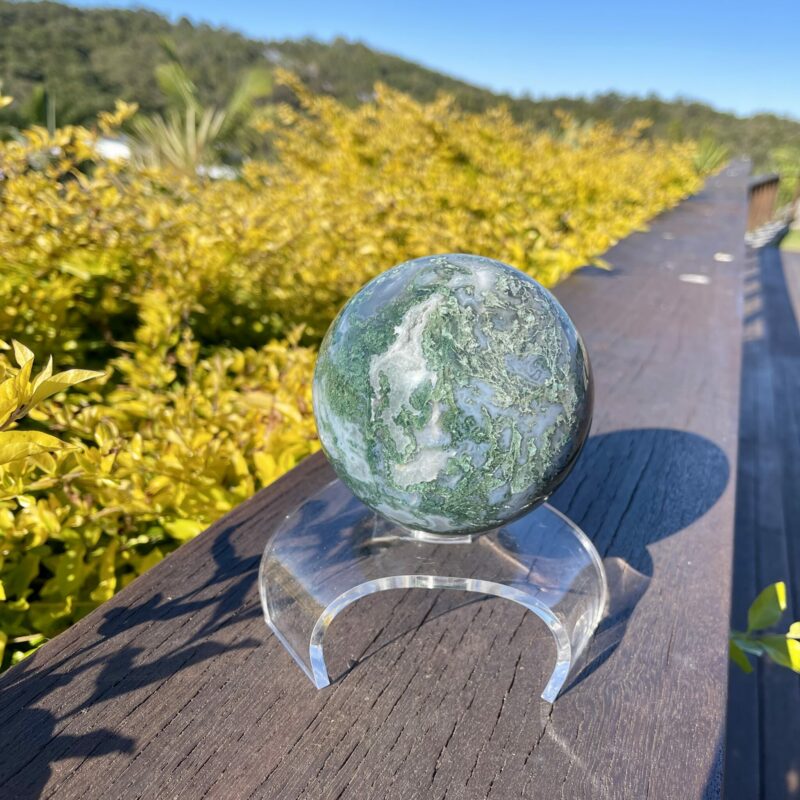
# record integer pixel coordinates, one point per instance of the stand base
(332, 550)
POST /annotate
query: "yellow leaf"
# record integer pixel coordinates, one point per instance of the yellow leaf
(256, 399)
(239, 464)
(184, 529)
(793, 646)
(21, 444)
(266, 466)
(158, 484)
(2, 596)
(22, 383)
(44, 461)
(201, 439)
(43, 375)
(8, 399)
(781, 650)
(21, 353)
(109, 121)
(105, 433)
(61, 381)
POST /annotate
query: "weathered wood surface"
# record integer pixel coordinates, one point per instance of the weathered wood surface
(764, 708)
(175, 688)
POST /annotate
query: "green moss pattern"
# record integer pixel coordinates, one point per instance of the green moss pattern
(452, 394)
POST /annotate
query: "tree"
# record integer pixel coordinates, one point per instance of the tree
(189, 136)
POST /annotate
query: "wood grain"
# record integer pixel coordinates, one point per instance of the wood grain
(175, 688)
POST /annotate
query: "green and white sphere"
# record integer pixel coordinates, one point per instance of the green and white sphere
(452, 394)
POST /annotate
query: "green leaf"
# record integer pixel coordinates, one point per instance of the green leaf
(783, 651)
(255, 84)
(767, 608)
(752, 646)
(106, 573)
(18, 578)
(739, 657)
(48, 617)
(21, 444)
(71, 570)
(178, 87)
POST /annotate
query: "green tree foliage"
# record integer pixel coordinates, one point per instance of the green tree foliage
(87, 58)
(189, 136)
(785, 161)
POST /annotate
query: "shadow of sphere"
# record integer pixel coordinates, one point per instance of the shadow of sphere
(628, 490)
(635, 487)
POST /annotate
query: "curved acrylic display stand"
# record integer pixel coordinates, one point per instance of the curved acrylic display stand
(332, 550)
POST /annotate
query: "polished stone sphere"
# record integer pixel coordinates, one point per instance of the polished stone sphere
(452, 394)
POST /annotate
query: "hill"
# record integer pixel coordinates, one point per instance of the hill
(86, 58)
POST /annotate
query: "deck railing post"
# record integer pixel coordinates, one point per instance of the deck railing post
(762, 195)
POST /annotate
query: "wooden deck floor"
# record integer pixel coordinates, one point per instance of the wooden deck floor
(763, 753)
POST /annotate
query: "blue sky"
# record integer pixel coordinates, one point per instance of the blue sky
(739, 57)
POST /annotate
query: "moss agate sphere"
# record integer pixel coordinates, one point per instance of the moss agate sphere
(452, 394)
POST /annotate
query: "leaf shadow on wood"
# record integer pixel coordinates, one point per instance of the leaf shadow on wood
(33, 739)
(27, 779)
(628, 490)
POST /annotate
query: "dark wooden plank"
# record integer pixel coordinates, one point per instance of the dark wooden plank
(763, 723)
(742, 767)
(176, 688)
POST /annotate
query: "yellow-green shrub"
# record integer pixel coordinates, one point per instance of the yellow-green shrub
(155, 460)
(350, 193)
(202, 301)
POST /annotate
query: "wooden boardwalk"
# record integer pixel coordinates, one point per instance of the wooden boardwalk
(763, 758)
(175, 688)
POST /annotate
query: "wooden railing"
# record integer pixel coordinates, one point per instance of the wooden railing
(762, 197)
(175, 687)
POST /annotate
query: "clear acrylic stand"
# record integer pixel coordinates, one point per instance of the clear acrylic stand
(332, 550)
